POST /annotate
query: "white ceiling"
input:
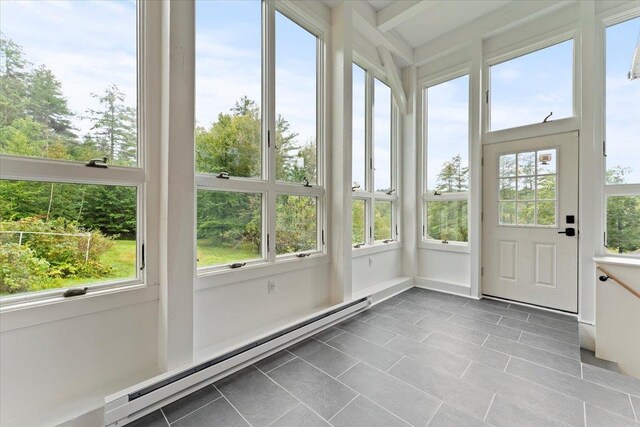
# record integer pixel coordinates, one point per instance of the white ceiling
(443, 17)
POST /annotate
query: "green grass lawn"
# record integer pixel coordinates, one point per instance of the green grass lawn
(209, 254)
(121, 257)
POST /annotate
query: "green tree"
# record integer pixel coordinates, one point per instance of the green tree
(46, 104)
(114, 126)
(623, 216)
(13, 81)
(453, 177)
(448, 220)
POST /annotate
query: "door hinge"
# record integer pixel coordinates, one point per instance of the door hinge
(322, 237)
(396, 229)
(481, 271)
(268, 245)
(604, 148)
(423, 228)
(370, 232)
(268, 139)
(371, 163)
(486, 97)
(481, 216)
(481, 161)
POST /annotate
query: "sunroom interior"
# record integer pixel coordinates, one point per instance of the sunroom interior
(205, 199)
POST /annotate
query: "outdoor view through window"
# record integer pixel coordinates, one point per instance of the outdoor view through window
(68, 93)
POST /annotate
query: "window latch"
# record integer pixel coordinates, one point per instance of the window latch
(359, 245)
(74, 292)
(223, 175)
(305, 182)
(142, 258)
(437, 193)
(387, 241)
(546, 119)
(97, 163)
(445, 241)
(390, 192)
(355, 186)
(237, 264)
(303, 255)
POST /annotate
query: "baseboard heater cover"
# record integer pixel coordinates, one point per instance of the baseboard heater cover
(133, 403)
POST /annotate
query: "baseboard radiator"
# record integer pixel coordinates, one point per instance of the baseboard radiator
(133, 403)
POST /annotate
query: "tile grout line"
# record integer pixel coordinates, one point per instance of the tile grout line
(633, 409)
(434, 414)
(507, 365)
(367, 340)
(419, 320)
(283, 415)
(520, 337)
(195, 410)
(165, 417)
(280, 365)
(348, 403)
(584, 412)
(489, 408)
(386, 410)
(391, 367)
(465, 369)
(236, 409)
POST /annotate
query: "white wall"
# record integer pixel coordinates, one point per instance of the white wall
(373, 269)
(74, 361)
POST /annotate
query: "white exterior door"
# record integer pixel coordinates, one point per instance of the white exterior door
(530, 221)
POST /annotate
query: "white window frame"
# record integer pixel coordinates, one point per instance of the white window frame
(426, 196)
(210, 276)
(368, 194)
(606, 20)
(39, 169)
(520, 49)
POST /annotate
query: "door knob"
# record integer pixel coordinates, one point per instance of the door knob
(569, 231)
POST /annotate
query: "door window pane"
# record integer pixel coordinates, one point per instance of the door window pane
(296, 224)
(358, 128)
(623, 224)
(526, 89)
(382, 136)
(447, 129)
(533, 187)
(229, 227)
(55, 235)
(359, 224)
(382, 220)
(228, 87)
(68, 80)
(447, 221)
(622, 105)
(296, 98)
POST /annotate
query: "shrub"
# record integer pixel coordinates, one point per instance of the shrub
(20, 268)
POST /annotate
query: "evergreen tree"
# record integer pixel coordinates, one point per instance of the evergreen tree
(453, 177)
(13, 81)
(114, 126)
(46, 104)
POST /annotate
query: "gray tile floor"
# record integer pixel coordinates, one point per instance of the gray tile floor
(422, 358)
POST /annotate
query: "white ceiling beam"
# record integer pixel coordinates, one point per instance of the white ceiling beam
(398, 12)
(364, 20)
(394, 78)
(507, 17)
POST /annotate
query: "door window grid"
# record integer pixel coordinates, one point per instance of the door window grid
(380, 158)
(292, 215)
(527, 189)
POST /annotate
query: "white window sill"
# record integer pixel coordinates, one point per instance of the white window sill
(31, 313)
(212, 279)
(434, 245)
(625, 261)
(374, 249)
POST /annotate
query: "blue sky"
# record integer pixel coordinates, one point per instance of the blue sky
(87, 54)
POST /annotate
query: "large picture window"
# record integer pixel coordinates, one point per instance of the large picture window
(446, 163)
(374, 167)
(258, 152)
(622, 128)
(63, 224)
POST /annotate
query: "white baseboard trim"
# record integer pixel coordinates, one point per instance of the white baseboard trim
(450, 288)
(385, 290)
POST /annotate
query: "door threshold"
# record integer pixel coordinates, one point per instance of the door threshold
(527, 304)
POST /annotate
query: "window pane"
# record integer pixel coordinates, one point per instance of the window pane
(55, 235)
(525, 214)
(382, 221)
(527, 163)
(507, 213)
(228, 87)
(358, 132)
(447, 221)
(546, 213)
(296, 224)
(507, 165)
(622, 110)
(382, 136)
(296, 85)
(68, 81)
(526, 188)
(447, 123)
(508, 189)
(358, 226)
(526, 89)
(546, 187)
(229, 227)
(623, 224)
